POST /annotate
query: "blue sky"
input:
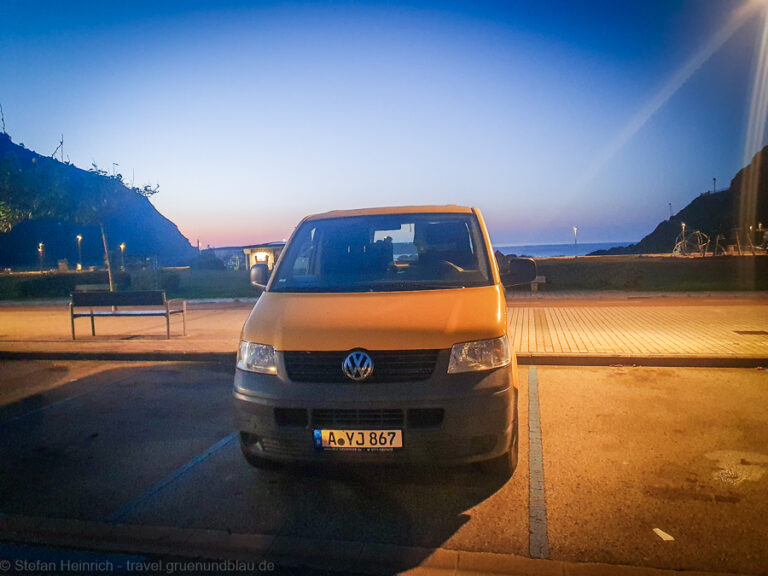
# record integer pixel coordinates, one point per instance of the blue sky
(252, 115)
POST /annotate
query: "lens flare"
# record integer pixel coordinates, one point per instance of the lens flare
(758, 115)
(675, 82)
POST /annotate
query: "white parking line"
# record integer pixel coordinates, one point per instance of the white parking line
(134, 505)
(537, 503)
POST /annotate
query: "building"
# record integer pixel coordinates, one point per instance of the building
(244, 257)
(263, 254)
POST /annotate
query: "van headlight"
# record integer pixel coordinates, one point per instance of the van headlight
(479, 355)
(256, 358)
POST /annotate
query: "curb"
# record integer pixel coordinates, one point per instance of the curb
(658, 360)
(208, 357)
(65, 302)
(529, 359)
(368, 558)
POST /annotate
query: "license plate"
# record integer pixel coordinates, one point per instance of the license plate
(359, 440)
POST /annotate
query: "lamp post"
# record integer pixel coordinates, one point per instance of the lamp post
(79, 251)
(682, 245)
(575, 242)
(122, 256)
(41, 254)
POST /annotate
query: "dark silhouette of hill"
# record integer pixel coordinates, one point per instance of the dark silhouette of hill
(711, 213)
(44, 200)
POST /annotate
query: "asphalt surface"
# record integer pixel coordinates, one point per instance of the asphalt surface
(682, 450)
(624, 450)
(36, 559)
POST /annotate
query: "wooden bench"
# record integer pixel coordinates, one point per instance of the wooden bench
(536, 281)
(105, 304)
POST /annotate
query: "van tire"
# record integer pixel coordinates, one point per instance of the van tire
(503, 466)
(254, 459)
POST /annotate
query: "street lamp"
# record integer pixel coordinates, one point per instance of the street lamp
(575, 242)
(682, 226)
(41, 254)
(122, 256)
(79, 251)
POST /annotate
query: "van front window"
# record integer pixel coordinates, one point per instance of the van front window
(383, 253)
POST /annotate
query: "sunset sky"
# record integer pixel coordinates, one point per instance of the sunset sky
(250, 115)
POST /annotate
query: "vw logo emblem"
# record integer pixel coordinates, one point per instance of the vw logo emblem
(357, 366)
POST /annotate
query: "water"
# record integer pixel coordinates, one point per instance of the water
(550, 250)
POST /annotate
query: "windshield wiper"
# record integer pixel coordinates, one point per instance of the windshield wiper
(378, 287)
(414, 285)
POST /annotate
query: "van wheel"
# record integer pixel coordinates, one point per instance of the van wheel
(247, 443)
(503, 466)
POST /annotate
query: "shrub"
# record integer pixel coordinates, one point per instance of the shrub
(60, 285)
(170, 281)
(208, 261)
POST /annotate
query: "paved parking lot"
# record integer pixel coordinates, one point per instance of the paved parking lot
(625, 450)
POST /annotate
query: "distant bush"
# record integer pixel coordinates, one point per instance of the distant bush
(653, 273)
(59, 285)
(170, 281)
(208, 261)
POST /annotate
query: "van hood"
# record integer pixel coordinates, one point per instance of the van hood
(427, 319)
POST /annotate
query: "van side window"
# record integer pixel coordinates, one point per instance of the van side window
(303, 262)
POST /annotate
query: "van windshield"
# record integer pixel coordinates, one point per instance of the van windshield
(382, 253)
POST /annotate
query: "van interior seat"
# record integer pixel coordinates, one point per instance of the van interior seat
(447, 241)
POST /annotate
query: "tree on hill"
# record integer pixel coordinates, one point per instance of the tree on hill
(34, 187)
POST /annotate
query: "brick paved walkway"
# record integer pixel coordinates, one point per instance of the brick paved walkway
(739, 330)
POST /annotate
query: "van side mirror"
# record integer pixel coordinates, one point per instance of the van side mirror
(259, 276)
(517, 271)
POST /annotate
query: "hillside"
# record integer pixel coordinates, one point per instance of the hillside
(710, 213)
(44, 200)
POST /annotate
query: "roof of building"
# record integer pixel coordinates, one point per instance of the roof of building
(448, 208)
(265, 245)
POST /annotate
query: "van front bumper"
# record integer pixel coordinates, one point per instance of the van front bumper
(448, 419)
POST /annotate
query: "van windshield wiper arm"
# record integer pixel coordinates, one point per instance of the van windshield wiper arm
(419, 286)
(378, 287)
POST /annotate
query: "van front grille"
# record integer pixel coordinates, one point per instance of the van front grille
(388, 366)
(345, 417)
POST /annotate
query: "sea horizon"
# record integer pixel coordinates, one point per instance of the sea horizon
(553, 250)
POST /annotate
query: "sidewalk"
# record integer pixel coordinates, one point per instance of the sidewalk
(723, 329)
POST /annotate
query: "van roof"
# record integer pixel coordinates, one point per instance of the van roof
(447, 208)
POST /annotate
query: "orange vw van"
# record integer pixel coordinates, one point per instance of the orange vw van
(381, 336)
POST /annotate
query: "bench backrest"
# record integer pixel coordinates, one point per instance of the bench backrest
(106, 298)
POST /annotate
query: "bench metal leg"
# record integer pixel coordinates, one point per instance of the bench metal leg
(93, 325)
(184, 318)
(72, 320)
(168, 326)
